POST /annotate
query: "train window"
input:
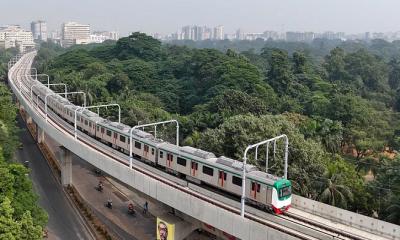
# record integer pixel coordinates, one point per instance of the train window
(108, 133)
(286, 191)
(208, 170)
(237, 181)
(98, 128)
(115, 135)
(195, 165)
(170, 157)
(255, 186)
(181, 161)
(152, 151)
(90, 124)
(102, 130)
(138, 145)
(122, 138)
(146, 148)
(86, 122)
(222, 173)
(161, 154)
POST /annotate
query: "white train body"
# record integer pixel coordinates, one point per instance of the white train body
(196, 165)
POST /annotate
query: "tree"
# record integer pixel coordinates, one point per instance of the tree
(332, 191)
(279, 75)
(24, 198)
(335, 64)
(300, 63)
(394, 212)
(306, 157)
(394, 73)
(118, 83)
(29, 231)
(138, 45)
(368, 165)
(9, 228)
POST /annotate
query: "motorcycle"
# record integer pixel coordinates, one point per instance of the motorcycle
(109, 204)
(100, 187)
(131, 210)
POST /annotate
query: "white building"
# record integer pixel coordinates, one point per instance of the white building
(218, 32)
(74, 33)
(240, 35)
(15, 36)
(39, 30)
(99, 37)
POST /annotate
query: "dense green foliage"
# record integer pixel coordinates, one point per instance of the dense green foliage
(337, 102)
(20, 216)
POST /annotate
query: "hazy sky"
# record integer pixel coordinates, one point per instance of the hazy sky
(166, 16)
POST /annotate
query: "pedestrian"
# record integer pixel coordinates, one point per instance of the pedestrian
(145, 207)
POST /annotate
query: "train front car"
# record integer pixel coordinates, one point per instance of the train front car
(281, 196)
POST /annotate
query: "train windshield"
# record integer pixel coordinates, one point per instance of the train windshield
(285, 191)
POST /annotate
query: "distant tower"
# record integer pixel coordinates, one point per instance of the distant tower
(239, 34)
(39, 30)
(219, 32)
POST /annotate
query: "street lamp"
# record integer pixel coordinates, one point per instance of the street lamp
(243, 198)
(155, 131)
(79, 92)
(41, 74)
(59, 84)
(34, 85)
(95, 106)
(45, 101)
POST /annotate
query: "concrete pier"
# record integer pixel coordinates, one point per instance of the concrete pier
(66, 166)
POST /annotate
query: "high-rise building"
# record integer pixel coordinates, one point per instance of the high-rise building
(207, 33)
(15, 36)
(240, 34)
(187, 33)
(39, 30)
(218, 32)
(75, 33)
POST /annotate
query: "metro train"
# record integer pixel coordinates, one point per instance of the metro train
(195, 165)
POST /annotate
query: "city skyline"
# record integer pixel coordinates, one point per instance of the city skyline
(254, 16)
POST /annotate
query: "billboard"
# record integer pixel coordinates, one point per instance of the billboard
(165, 231)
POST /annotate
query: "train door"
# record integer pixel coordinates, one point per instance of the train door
(170, 159)
(115, 138)
(194, 167)
(102, 132)
(269, 194)
(221, 178)
(255, 189)
(146, 151)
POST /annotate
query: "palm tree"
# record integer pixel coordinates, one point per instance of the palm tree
(368, 165)
(334, 193)
(393, 213)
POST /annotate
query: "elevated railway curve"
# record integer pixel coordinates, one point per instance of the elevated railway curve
(207, 206)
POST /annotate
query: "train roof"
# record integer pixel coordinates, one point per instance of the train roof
(115, 126)
(263, 177)
(125, 130)
(197, 152)
(171, 148)
(234, 164)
